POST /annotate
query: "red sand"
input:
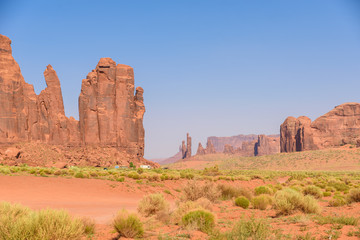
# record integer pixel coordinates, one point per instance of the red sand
(93, 198)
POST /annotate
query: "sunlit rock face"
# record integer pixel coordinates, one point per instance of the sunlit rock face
(111, 115)
(338, 127)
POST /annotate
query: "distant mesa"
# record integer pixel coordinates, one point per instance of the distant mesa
(110, 114)
(240, 145)
(338, 127)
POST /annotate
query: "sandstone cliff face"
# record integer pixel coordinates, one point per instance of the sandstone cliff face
(228, 149)
(235, 141)
(337, 127)
(26, 116)
(266, 145)
(110, 114)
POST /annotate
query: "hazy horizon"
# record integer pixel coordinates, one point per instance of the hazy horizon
(210, 68)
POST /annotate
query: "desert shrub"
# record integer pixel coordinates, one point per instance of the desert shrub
(195, 190)
(18, 222)
(261, 202)
(354, 195)
(128, 225)
(338, 185)
(289, 200)
(337, 201)
(153, 204)
(229, 192)
(343, 220)
(263, 190)
(212, 171)
(310, 205)
(120, 179)
(201, 220)
(80, 175)
(313, 191)
(89, 226)
(185, 207)
(242, 202)
(253, 228)
(327, 194)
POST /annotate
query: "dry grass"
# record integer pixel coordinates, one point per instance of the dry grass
(128, 225)
(18, 222)
(229, 192)
(261, 202)
(288, 200)
(153, 204)
(195, 190)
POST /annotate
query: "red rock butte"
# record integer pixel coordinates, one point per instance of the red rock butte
(110, 114)
(338, 127)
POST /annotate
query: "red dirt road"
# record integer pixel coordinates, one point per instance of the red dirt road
(97, 199)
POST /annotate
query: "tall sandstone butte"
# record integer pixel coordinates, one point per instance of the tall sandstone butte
(110, 114)
(25, 116)
(335, 128)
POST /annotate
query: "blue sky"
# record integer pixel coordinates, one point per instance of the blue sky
(210, 68)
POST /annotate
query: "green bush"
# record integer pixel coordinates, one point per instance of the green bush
(327, 194)
(263, 190)
(313, 191)
(202, 220)
(79, 175)
(254, 228)
(337, 201)
(261, 202)
(185, 207)
(128, 225)
(242, 202)
(289, 200)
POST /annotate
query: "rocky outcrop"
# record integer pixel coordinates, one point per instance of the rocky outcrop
(338, 127)
(110, 114)
(200, 150)
(266, 145)
(210, 149)
(186, 149)
(228, 149)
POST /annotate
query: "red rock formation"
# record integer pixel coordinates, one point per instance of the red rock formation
(266, 145)
(26, 116)
(235, 141)
(210, 149)
(110, 114)
(200, 150)
(337, 127)
(186, 149)
(228, 149)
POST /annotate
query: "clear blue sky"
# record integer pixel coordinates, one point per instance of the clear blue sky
(207, 67)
